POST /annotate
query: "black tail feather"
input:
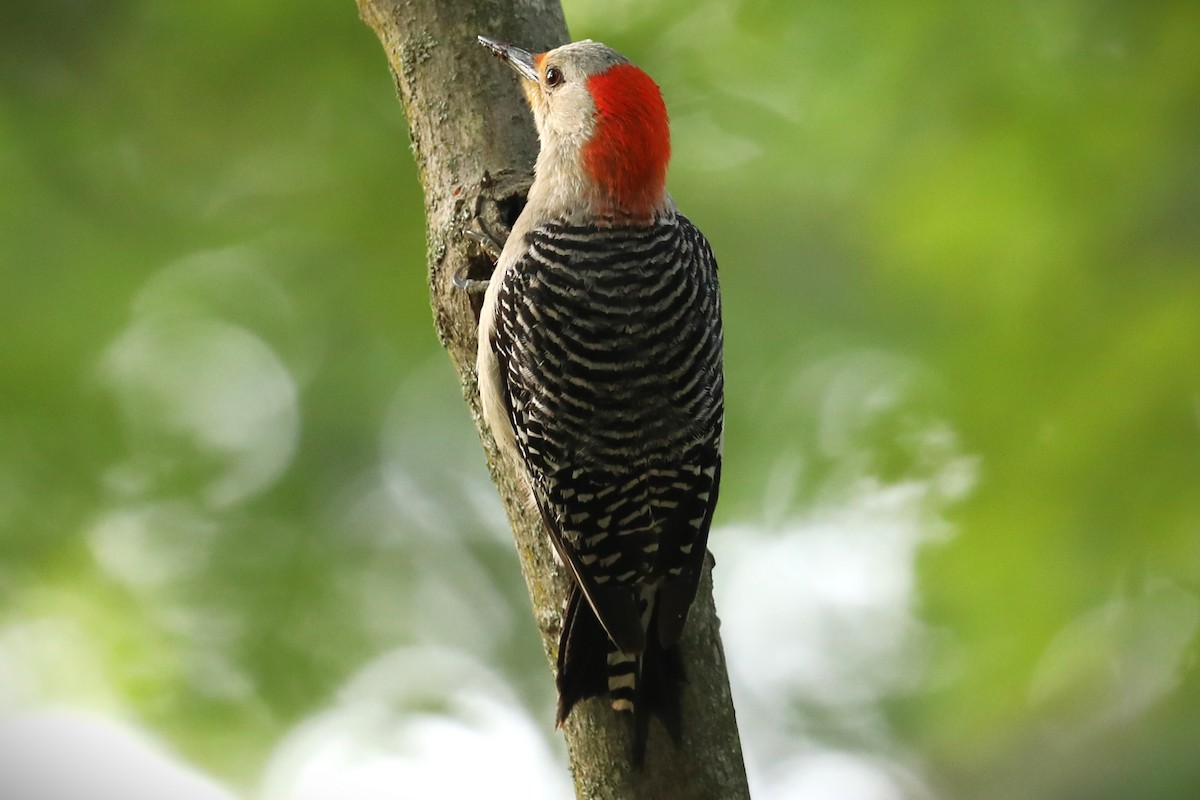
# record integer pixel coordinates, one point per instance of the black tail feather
(583, 671)
(659, 688)
(582, 655)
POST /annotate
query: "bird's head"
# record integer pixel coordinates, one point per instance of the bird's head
(602, 124)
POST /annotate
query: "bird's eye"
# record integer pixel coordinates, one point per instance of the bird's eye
(554, 76)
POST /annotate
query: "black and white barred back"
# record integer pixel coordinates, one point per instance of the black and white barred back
(609, 345)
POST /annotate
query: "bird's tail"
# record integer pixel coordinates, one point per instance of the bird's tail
(645, 685)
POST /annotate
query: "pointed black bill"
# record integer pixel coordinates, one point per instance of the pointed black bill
(520, 60)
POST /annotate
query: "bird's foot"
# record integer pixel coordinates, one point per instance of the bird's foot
(488, 231)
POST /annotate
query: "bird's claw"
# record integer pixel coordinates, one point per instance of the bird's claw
(482, 230)
(469, 285)
(486, 241)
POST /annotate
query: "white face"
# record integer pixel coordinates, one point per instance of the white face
(562, 106)
(556, 84)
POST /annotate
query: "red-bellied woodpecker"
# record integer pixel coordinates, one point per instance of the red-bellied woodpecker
(600, 372)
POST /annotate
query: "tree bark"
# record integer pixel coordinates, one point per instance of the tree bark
(475, 145)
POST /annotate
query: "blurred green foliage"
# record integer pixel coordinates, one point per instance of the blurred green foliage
(232, 463)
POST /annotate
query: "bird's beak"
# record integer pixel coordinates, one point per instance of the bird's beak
(520, 60)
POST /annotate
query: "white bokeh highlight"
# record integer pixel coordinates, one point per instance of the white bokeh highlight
(64, 755)
(418, 722)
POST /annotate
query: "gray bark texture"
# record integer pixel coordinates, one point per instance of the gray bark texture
(474, 143)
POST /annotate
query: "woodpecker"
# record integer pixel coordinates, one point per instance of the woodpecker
(600, 373)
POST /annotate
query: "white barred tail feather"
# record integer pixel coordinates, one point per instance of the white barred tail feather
(645, 685)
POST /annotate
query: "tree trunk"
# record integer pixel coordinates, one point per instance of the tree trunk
(475, 145)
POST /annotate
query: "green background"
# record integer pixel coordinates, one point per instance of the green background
(242, 510)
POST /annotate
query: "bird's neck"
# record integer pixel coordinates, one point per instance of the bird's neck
(565, 187)
(627, 153)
